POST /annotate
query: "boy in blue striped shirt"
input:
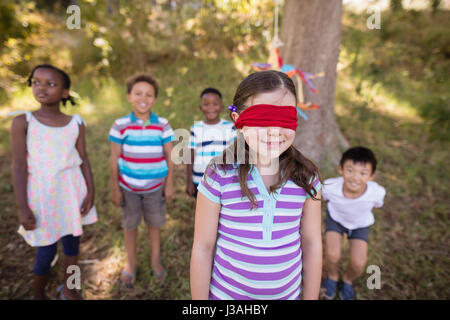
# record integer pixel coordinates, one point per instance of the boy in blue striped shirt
(141, 172)
(208, 138)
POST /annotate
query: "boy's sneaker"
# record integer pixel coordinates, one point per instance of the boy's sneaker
(329, 288)
(346, 292)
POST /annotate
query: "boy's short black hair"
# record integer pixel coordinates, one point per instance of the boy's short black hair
(143, 77)
(211, 90)
(361, 155)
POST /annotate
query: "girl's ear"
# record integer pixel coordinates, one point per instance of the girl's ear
(372, 177)
(340, 169)
(128, 97)
(65, 94)
(234, 116)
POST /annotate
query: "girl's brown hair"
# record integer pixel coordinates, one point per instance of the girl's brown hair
(293, 165)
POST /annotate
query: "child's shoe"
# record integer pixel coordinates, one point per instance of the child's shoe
(128, 280)
(329, 288)
(346, 292)
(61, 294)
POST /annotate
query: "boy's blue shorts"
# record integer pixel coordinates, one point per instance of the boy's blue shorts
(196, 190)
(333, 225)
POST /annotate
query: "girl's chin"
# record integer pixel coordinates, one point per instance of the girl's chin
(269, 157)
(51, 103)
(46, 100)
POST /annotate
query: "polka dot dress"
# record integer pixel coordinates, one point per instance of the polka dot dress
(56, 187)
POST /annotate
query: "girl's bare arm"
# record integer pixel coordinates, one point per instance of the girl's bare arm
(20, 170)
(311, 248)
(205, 235)
(80, 145)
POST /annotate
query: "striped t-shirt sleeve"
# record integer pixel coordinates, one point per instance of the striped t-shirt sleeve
(211, 188)
(167, 134)
(115, 135)
(316, 184)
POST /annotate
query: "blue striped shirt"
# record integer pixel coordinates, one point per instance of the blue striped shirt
(209, 141)
(142, 162)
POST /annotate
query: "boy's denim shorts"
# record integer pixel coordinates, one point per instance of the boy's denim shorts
(195, 191)
(151, 205)
(333, 225)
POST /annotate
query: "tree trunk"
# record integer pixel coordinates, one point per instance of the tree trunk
(435, 5)
(396, 5)
(311, 32)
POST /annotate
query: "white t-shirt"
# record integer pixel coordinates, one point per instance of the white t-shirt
(209, 141)
(352, 213)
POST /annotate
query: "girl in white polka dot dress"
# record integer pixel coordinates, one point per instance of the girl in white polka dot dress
(52, 177)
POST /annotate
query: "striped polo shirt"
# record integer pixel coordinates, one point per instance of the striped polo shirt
(142, 163)
(209, 141)
(258, 252)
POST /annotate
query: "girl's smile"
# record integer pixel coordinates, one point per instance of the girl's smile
(273, 142)
(269, 142)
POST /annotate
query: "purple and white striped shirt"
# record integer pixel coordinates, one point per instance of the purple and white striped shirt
(258, 252)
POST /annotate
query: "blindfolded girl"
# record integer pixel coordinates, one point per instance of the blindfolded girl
(248, 239)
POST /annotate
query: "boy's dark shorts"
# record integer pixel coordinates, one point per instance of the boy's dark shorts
(195, 191)
(151, 205)
(360, 233)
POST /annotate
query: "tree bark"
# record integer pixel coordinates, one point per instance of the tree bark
(311, 32)
(396, 5)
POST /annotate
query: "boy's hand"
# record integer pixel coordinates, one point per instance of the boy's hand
(27, 219)
(116, 196)
(87, 205)
(168, 191)
(190, 189)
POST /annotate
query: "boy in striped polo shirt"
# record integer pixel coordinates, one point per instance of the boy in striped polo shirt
(141, 172)
(208, 138)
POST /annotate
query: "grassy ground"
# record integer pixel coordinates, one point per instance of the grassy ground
(409, 241)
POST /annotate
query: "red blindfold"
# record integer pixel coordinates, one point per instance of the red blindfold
(267, 115)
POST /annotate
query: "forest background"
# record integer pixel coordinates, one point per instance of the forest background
(391, 95)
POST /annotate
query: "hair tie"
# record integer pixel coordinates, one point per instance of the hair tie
(232, 108)
(72, 101)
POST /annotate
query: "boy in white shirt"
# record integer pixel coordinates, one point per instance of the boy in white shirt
(351, 199)
(208, 139)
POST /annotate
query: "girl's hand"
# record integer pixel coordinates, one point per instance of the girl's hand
(87, 205)
(116, 196)
(190, 189)
(27, 219)
(168, 191)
